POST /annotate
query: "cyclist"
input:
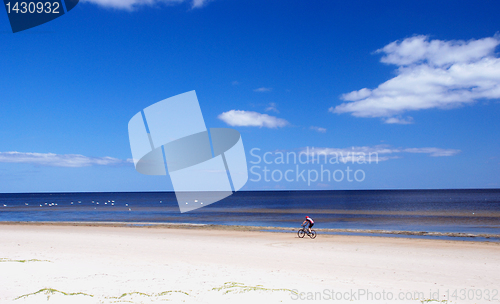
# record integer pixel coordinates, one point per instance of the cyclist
(308, 221)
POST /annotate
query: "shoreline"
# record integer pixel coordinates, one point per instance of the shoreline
(122, 263)
(480, 237)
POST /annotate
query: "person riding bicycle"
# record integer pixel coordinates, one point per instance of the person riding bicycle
(308, 221)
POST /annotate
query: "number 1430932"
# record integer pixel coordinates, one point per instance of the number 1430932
(33, 7)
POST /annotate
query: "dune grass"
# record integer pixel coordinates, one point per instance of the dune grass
(235, 287)
(433, 300)
(51, 291)
(227, 288)
(156, 295)
(23, 261)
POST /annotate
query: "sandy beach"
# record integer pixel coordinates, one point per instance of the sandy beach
(106, 264)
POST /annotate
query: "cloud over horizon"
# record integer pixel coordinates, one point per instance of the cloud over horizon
(430, 74)
(272, 107)
(383, 152)
(59, 160)
(318, 129)
(251, 119)
(263, 89)
(134, 4)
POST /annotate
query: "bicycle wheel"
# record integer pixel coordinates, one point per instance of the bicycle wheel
(301, 233)
(312, 235)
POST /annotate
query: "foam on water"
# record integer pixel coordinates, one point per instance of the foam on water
(435, 211)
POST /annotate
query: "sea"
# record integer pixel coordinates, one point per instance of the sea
(469, 214)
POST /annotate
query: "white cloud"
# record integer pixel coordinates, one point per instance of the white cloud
(199, 3)
(419, 49)
(435, 152)
(263, 89)
(378, 153)
(318, 129)
(251, 119)
(133, 4)
(398, 120)
(430, 74)
(235, 82)
(59, 160)
(272, 107)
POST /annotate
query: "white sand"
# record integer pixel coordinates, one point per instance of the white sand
(149, 265)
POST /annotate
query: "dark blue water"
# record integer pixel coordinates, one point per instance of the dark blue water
(460, 211)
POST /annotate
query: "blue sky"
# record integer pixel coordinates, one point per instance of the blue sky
(417, 82)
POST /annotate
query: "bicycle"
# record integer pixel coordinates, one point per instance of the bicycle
(303, 231)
